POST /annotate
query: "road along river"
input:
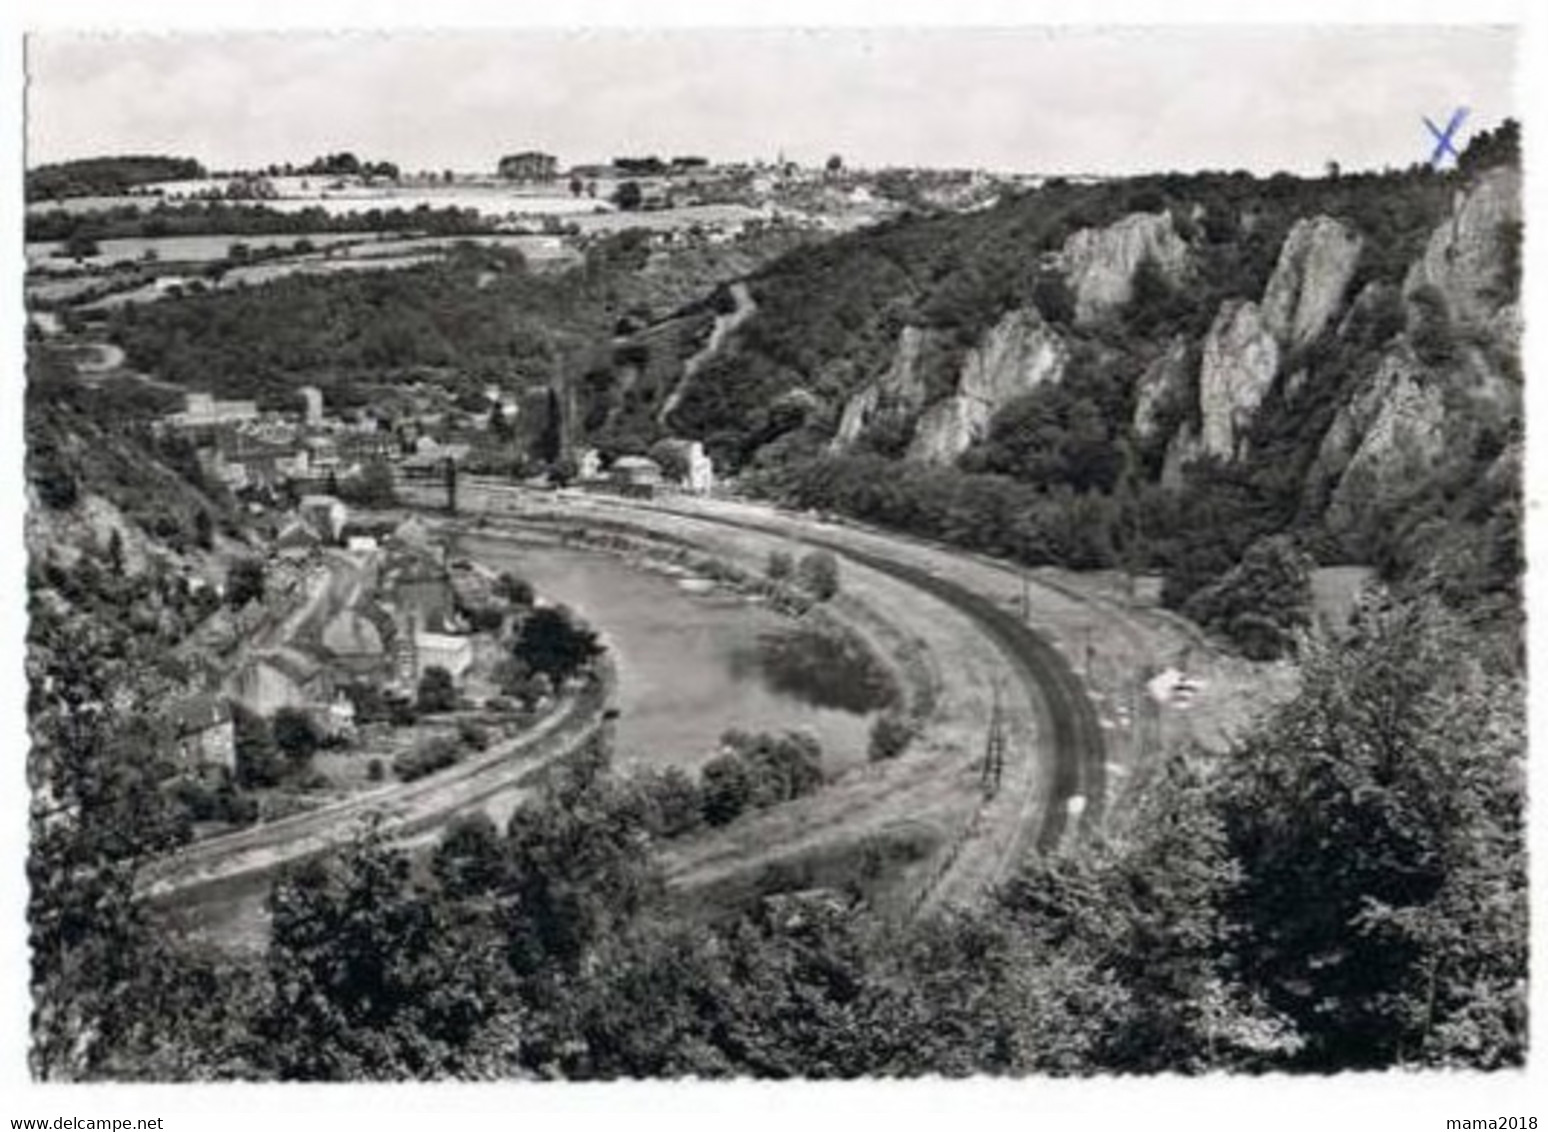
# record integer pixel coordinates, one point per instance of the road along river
(1058, 760)
(1054, 737)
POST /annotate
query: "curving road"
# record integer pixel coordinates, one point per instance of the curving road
(405, 809)
(1073, 748)
(1077, 754)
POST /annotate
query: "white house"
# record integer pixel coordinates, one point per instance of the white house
(442, 650)
(314, 404)
(201, 409)
(698, 469)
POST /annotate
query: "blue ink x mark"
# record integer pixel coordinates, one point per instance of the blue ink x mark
(1443, 144)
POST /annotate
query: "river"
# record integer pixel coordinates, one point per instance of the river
(685, 659)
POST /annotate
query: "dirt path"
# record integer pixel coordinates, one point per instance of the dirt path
(724, 325)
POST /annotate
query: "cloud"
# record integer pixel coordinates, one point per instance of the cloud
(1027, 98)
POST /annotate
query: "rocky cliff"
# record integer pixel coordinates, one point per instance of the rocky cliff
(1018, 354)
(897, 390)
(1468, 258)
(1316, 263)
(1396, 430)
(1240, 360)
(1399, 425)
(1099, 263)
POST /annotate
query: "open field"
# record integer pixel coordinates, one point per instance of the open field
(48, 256)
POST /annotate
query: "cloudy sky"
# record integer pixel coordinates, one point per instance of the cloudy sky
(1077, 100)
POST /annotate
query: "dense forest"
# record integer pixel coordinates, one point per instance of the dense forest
(106, 176)
(1223, 925)
(241, 218)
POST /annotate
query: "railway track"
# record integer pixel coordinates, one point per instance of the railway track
(1075, 748)
(405, 810)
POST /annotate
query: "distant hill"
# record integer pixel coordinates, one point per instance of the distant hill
(106, 176)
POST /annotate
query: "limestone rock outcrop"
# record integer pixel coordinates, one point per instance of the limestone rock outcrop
(1467, 254)
(1164, 380)
(1019, 353)
(1099, 263)
(897, 390)
(1316, 263)
(1240, 360)
(1393, 433)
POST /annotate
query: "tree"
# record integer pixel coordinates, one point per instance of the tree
(673, 460)
(244, 582)
(296, 735)
(469, 862)
(517, 591)
(725, 787)
(629, 196)
(675, 806)
(779, 768)
(552, 643)
(579, 868)
(1377, 818)
(890, 736)
(818, 574)
(94, 958)
(80, 245)
(835, 163)
(781, 566)
(258, 761)
(550, 444)
(373, 978)
(437, 690)
(1261, 601)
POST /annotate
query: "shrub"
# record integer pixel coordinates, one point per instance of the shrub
(890, 737)
(375, 770)
(780, 566)
(401, 712)
(437, 691)
(258, 761)
(295, 734)
(675, 805)
(1261, 601)
(818, 574)
(244, 582)
(431, 756)
(472, 735)
(515, 590)
(316, 780)
(726, 789)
